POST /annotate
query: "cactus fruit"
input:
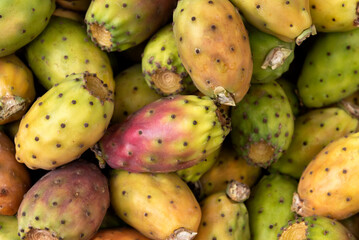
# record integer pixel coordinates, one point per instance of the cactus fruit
(334, 16)
(140, 199)
(76, 5)
(167, 135)
(315, 228)
(66, 203)
(118, 25)
(227, 168)
(260, 133)
(162, 67)
(214, 48)
(65, 13)
(328, 186)
(131, 93)
(269, 206)
(352, 224)
(313, 131)
(271, 56)
(290, 90)
(295, 24)
(8, 228)
(49, 135)
(320, 85)
(17, 88)
(14, 178)
(63, 48)
(17, 20)
(194, 173)
(124, 233)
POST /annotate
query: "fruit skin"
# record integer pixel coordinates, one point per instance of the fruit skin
(63, 48)
(162, 67)
(313, 131)
(69, 202)
(262, 46)
(66, 13)
(228, 167)
(17, 89)
(140, 199)
(14, 178)
(320, 189)
(320, 85)
(116, 26)
(131, 93)
(334, 16)
(124, 233)
(76, 5)
(214, 48)
(167, 135)
(260, 133)
(223, 218)
(290, 90)
(287, 27)
(50, 136)
(269, 205)
(8, 230)
(352, 224)
(17, 21)
(315, 228)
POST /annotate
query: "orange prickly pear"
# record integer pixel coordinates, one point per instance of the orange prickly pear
(124, 233)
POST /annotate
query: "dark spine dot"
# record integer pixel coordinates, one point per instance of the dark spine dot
(86, 125)
(63, 125)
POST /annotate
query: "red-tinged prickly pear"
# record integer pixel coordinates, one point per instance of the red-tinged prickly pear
(328, 186)
(214, 48)
(64, 122)
(315, 228)
(131, 93)
(14, 178)
(64, 48)
(124, 233)
(167, 135)
(66, 203)
(21, 22)
(159, 206)
(118, 25)
(295, 22)
(8, 228)
(334, 16)
(17, 88)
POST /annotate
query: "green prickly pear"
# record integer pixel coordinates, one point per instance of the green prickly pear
(157, 205)
(214, 48)
(63, 48)
(50, 135)
(167, 135)
(334, 16)
(295, 24)
(290, 90)
(331, 68)
(315, 228)
(162, 67)
(8, 228)
(17, 22)
(313, 131)
(269, 206)
(66, 203)
(271, 56)
(328, 186)
(260, 133)
(131, 93)
(118, 25)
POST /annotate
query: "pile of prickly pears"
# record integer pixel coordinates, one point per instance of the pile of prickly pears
(179, 120)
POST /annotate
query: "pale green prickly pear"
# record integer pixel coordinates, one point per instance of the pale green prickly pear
(21, 22)
(334, 16)
(64, 122)
(261, 133)
(118, 25)
(328, 186)
(8, 228)
(214, 48)
(131, 93)
(162, 67)
(160, 206)
(294, 22)
(313, 131)
(269, 206)
(315, 228)
(331, 68)
(63, 48)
